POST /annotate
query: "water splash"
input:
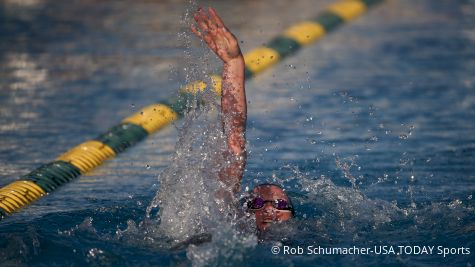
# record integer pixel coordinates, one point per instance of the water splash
(84, 227)
(186, 198)
(192, 213)
(189, 211)
(345, 166)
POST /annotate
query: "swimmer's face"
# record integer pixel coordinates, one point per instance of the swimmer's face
(268, 215)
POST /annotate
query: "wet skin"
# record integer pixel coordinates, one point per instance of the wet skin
(211, 29)
(268, 215)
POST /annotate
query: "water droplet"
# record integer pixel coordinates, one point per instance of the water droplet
(94, 252)
(455, 203)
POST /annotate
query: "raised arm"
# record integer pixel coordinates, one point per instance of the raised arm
(233, 95)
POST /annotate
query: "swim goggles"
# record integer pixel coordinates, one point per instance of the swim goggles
(258, 203)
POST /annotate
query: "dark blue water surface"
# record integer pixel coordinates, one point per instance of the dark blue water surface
(371, 130)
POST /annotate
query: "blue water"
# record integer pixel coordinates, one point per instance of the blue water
(370, 130)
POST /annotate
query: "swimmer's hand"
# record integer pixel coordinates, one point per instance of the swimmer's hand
(211, 29)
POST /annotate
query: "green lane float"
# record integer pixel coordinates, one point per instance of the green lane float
(52, 175)
(90, 154)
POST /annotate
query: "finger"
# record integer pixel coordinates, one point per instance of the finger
(213, 34)
(216, 19)
(196, 32)
(209, 22)
(199, 21)
(209, 41)
(213, 46)
(202, 26)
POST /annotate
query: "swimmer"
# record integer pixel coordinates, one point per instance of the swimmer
(268, 202)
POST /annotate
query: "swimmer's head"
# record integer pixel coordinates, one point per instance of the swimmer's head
(270, 204)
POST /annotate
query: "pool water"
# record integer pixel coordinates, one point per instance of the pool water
(370, 131)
